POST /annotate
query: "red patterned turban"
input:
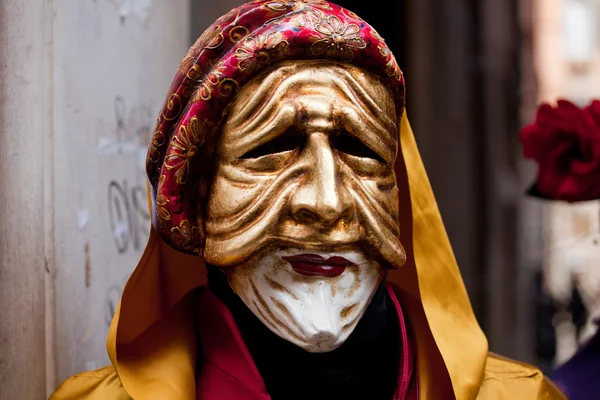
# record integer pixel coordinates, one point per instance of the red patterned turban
(237, 47)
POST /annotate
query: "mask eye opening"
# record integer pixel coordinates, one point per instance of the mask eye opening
(346, 143)
(290, 140)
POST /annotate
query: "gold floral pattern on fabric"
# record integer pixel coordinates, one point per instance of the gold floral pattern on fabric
(238, 33)
(210, 39)
(296, 5)
(216, 79)
(304, 11)
(340, 39)
(161, 202)
(154, 174)
(376, 35)
(190, 57)
(311, 15)
(185, 147)
(227, 87)
(391, 67)
(349, 13)
(158, 140)
(186, 236)
(173, 107)
(203, 92)
(195, 73)
(282, 5)
(260, 50)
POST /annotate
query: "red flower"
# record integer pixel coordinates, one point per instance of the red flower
(565, 142)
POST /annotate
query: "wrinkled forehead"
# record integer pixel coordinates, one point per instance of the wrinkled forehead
(352, 88)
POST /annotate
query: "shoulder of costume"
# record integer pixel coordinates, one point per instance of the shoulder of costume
(516, 380)
(100, 384)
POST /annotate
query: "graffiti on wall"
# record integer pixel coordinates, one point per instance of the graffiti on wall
(128, 213)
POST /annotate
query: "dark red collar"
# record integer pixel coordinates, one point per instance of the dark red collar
(228, 371)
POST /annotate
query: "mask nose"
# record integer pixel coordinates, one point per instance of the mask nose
(321, 198)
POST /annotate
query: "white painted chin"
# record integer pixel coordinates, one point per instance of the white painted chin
(316, 313)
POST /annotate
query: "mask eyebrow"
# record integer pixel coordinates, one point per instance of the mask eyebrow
(356, 92)
(369, 130)
(365, 118)
(269, 123)
(266, 95)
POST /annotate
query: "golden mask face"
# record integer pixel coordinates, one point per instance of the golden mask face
(306, 158)
(303, 209)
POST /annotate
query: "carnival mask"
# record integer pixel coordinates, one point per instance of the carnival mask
(303, 209)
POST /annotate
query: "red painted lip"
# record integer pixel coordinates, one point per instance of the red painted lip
(315, 265)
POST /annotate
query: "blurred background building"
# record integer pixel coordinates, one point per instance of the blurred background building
(81, 83)
(567, 65)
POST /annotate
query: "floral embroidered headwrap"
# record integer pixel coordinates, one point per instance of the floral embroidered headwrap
(237, 47)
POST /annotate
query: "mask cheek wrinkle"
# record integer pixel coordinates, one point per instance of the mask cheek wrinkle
(235, 208)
